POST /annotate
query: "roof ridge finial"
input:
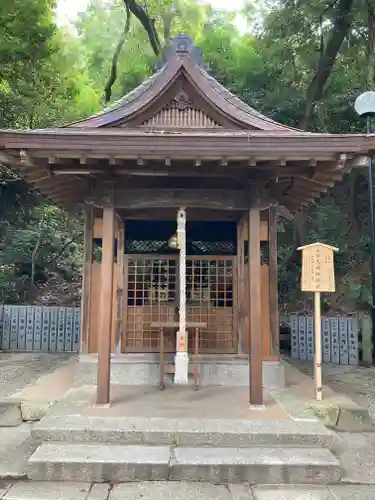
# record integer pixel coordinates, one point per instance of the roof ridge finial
(181, 45)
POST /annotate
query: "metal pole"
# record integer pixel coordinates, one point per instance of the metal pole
(372, 231)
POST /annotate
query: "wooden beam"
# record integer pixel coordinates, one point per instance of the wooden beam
(27, 160)
(312, 186)
(98, 228)
(263, 236)
(70, 198)
(314, 182)
(170, 214)
(8, 159)
(279, 171)
(284, 212)
(326, 176)
(57, 189)
(273, 288)
(105, 310)
(217, 199)
(86, 275)
(33, 177)
(303, 189)
(215, 143)
(76, 171)
(50, 186)
(255, 309)
(154, 170)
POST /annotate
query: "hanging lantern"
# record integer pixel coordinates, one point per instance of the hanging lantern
(173, 242)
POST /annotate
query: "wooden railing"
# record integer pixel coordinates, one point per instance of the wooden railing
(175, 325)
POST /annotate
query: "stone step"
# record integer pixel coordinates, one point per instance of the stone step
(10, 413)
(182, 432)
(116, 463)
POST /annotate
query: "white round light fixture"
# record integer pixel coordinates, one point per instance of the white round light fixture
(365, 103)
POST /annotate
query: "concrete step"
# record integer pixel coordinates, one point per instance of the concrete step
(16, 447)
(182, 432)
(116, 463)
(10, 413)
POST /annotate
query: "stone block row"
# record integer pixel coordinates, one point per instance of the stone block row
(118, 463)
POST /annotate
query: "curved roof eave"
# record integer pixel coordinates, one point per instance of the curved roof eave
(215, 94)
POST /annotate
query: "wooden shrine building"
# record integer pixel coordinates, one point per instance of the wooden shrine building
(180, 141)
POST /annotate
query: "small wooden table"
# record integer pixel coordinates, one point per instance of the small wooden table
(175, 324)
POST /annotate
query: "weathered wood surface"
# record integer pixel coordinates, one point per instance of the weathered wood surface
(106, 306)
(86, 279)
(273, 289)
(120, 285)
(255, 308)
(318, 274)
(220, 199)
(242, 301)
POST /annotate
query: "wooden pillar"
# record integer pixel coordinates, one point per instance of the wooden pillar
(273, 288)
(241, 301)
(255, 310)
(86, 275)
(120, 284)
(105, 308)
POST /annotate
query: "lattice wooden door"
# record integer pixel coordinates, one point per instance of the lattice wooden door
(152, 292)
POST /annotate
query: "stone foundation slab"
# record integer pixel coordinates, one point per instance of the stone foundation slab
(143, 369)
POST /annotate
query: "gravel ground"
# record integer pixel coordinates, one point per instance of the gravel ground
(18, 370)
(358, 383)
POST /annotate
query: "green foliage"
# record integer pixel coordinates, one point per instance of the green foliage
(43, 82)
(51, 75)
(47, 242)
(42, 79)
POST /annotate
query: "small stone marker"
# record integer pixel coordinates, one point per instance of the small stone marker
(318, 275)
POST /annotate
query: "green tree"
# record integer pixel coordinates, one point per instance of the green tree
(43, 82)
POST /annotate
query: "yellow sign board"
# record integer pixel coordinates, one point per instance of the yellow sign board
(318, 274)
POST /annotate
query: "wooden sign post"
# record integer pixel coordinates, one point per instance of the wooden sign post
(318, 275)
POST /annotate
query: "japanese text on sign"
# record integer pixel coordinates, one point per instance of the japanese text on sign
(318, 269)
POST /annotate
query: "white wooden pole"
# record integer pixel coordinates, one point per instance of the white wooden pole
(318, 349)
(181, 359)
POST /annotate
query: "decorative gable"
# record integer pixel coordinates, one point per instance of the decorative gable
(182, 94)
(181, 112)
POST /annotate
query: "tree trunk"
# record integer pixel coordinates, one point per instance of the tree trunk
(147, 22)
(371, 44)
(35, 251)
(140, 12)
(340, 29)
